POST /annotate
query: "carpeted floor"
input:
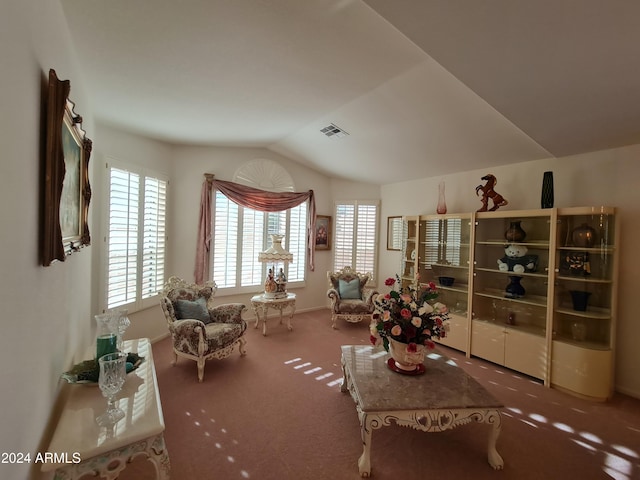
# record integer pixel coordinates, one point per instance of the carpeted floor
(278, 413)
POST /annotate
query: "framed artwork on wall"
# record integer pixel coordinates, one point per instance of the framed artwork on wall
(66, 189)
(323, 232)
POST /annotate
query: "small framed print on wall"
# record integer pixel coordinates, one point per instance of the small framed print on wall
(323, 232)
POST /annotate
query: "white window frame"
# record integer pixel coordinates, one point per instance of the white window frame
(264, 234)
(138, 302)
(350, 235)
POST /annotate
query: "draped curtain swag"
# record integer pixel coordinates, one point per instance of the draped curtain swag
(255, 199)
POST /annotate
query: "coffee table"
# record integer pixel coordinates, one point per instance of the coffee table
(442, 398)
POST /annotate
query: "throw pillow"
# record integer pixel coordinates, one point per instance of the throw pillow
(349, 290)
(193, 310)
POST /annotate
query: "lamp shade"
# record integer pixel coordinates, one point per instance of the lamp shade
(275, 253)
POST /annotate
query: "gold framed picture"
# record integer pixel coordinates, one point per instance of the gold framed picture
(323, 232)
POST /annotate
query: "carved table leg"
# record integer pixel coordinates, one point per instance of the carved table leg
(265, 309)
(343, 386)
(495, 460)
(364, 462)
(293, 310)
(256, 310)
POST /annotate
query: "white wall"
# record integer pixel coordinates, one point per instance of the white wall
(46, 314)
(608, 177)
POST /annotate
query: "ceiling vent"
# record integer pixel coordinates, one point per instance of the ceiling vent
(333, 131)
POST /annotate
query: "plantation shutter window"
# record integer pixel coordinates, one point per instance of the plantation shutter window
(355, 238)
(240, 234)
(136, 237)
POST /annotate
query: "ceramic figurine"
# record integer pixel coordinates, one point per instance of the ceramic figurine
(488, 193)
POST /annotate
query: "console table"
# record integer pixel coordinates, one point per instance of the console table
(444, 397)
(106, 452)
(261, 304)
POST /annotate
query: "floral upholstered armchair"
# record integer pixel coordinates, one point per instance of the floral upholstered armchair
(199, 330)
(351, 300)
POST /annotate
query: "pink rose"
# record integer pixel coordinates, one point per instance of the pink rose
(405, 313)
(389, 282)
(396, 330)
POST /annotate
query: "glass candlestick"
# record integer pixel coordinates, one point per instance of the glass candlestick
(110, 381)
(123, 324)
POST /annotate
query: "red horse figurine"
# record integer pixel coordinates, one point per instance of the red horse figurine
(489, 193)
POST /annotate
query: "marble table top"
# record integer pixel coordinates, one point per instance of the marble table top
(77, 430)
(444, 385)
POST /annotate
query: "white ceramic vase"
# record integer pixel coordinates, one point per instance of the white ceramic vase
(404, 359)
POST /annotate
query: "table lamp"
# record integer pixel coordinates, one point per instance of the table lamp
(275, 285)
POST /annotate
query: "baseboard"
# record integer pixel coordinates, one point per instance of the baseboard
(160, 337)
(271, 313)
(629, 392)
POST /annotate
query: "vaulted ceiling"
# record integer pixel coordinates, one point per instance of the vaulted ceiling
(422, 87)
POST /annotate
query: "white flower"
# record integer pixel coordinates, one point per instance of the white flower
(425, 309)
(416, 322)
(440, 308)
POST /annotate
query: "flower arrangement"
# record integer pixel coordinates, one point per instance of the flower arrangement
(409, 315)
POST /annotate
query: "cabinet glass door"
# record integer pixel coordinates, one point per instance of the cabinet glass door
(511, 269)
(585, 267)
(409, 260)
(444, 258)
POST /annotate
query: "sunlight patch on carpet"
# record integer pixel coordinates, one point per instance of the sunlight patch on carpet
(527, 422)
(615, 475)
(335, 382)
(563, 426)
(538, 418)
(218, 445)
(625, 451)
(338, 381)
(585, 445)
(619, 465)
(591, 437)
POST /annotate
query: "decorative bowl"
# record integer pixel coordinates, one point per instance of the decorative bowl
(446, 281)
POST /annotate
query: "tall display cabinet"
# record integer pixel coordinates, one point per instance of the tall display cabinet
(584, 306)
(533, 290)
(510, 309)
(444, 259)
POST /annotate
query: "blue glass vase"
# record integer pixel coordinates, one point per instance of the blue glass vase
(514, 289)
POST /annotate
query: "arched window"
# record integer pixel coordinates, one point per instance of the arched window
(240, 233)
